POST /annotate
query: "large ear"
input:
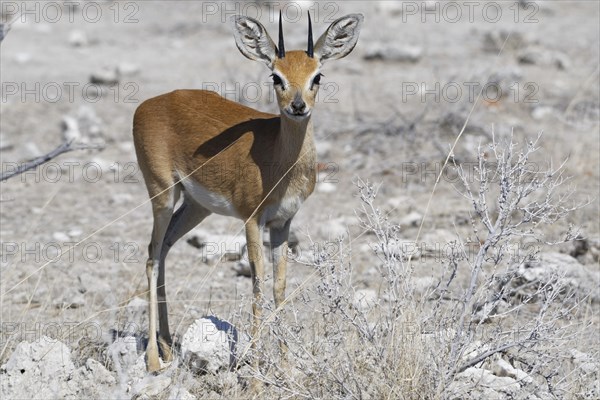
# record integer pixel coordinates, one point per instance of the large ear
(340, 38)
(253, 40)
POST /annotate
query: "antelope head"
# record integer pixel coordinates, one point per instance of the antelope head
(296, 74)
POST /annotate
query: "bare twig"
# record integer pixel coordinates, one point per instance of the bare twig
(63, 148)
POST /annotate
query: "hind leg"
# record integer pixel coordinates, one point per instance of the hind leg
(188, 216)
(162, 208)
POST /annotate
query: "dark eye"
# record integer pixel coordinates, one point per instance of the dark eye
(276, 79)
(316, 80)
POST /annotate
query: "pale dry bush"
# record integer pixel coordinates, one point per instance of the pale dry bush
(409, 345)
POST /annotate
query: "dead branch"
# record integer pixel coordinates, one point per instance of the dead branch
(63, 148)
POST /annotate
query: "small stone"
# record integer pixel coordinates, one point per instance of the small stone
(326, 187)
(23, 58)
(70, 129)
(78, 38)
(61, 237)
(389, 7)
(121, 198)
(504, 368)
(545, 58)
(71, 297)
(585, 362)
(497, 40)
(561, 271)
(5, 143)
(124, 352)
(542, 112)
(75, 232)
(389, 52)
(99, 373)
(217, 247)
(151, 386)
(180, 393)
(242, 268)
(128, 69)
(209, 345)
(105, 76)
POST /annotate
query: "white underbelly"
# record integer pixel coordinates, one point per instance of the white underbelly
(277, 214)
(212, 201)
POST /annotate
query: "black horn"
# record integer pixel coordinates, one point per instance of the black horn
(310, 38)
(281, 48)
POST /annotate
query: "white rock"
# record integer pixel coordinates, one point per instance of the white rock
(479, 383)
(92, 380)
(75, 232)
(136, 372)
(124, 352)
(326, 187)
(61, 237)
(99, 372)
(564, 269)
(70, 129)
(389, 7)
(504, 368)
(78, 38)
(209, 345)
(151, 386)
(542, 112)
(394, 52)
(5, 143)
(180, 393)
(128, 69)
(38, 370)
(585, 362)
(23, 58)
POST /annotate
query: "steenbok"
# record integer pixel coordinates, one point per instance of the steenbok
(232, 160)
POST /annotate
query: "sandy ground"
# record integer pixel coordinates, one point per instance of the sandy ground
(389, 121)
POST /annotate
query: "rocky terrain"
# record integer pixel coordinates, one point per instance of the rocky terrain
(74, 231)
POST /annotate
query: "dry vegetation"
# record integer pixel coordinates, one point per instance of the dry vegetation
(450, 250)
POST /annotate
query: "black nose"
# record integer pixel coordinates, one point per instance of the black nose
(298, 105)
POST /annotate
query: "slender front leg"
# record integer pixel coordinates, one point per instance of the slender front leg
(255, 257)
(279, 248)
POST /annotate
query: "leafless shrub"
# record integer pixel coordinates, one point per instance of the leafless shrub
(401, 344)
